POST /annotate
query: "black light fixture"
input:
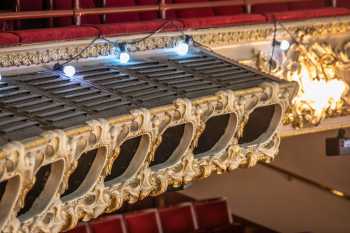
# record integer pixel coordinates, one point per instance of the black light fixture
(339, 145)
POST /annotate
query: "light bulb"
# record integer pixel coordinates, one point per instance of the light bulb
(181, 48)
(124, 57)
(284, 45)
(69, 71)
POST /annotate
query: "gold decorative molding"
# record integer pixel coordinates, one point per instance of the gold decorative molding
(328, 124)
(44, 53)
(320, 68)
(19, 161)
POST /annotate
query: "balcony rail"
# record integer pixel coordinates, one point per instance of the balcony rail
(126, 132)
(162, 7)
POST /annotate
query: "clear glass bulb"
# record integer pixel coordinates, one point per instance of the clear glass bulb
(124, 57)
(182, 48)
(284, 45)
(69, 71)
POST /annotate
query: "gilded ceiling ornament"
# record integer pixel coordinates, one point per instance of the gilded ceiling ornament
(320, 70)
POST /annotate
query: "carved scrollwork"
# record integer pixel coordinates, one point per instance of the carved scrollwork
(23, 159)
(321, 70)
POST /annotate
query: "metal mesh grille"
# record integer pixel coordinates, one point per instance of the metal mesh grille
(168, 75)
(224, 73)
(133, 89)
(51, 113)
(32, 102)
(11, 122)
(77, 92)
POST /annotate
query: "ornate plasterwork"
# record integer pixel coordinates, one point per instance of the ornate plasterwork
(21, 160)
(321, 68)
(226, 36)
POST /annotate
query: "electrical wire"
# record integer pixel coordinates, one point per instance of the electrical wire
(158, 30)
(195, 43)
(81, 52)
(273, 44)
(296, 41)
(289, 33)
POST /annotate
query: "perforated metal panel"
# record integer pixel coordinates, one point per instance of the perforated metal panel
(37, 105)
(187, 84)
(33, 102)
(221, 71)
(135, 90)
(75, 92)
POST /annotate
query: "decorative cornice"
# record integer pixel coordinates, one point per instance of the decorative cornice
(55, 51)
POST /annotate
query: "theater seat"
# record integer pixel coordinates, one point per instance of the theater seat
(214, 216)
(212, 213)
(308, 14)
(6, 25)
(56, 34)
(193, 12)
(304, 5)
(343, 3)
(146, 221)
(269, 7)
(114, 29)
(170, 14)
(33, 5)
(178, 219)
(222, 21)
(7, 6)
(121, 17)
(81, 228)
(133, 23)
(68, 4)
(228, 10)
(8, 39)
(149, 15)
(111, 224)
